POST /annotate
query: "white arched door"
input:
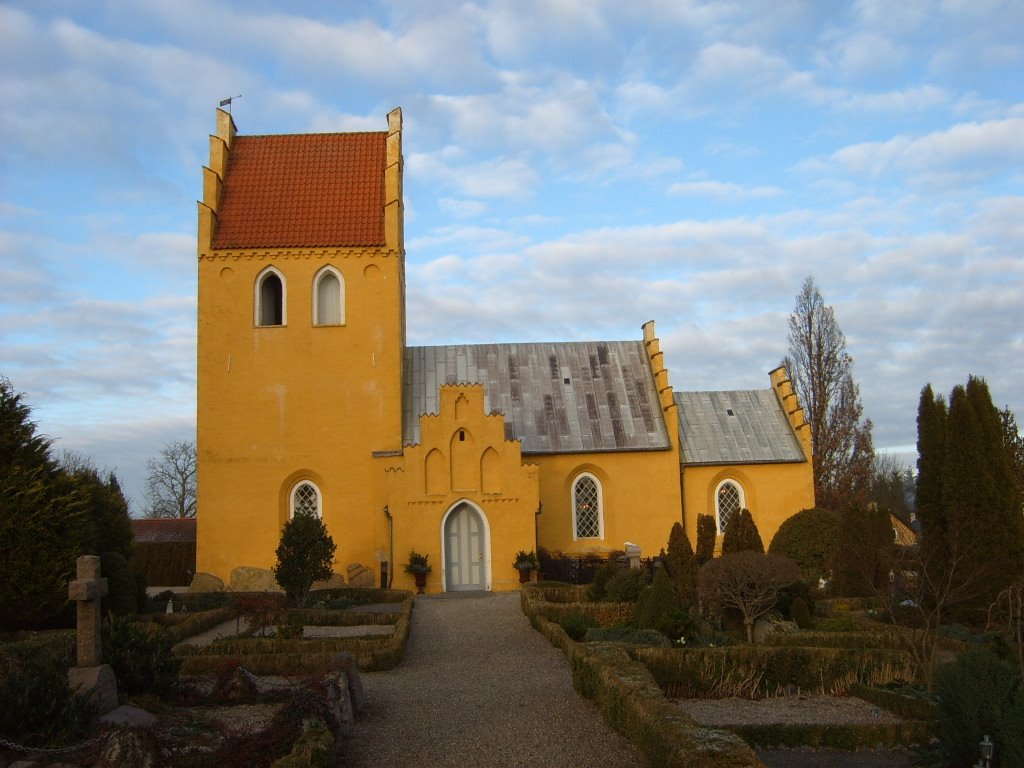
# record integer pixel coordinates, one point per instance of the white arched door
(465, 550)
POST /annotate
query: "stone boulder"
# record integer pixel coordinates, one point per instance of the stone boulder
(360, 576)
(336, 580)
(206, 582)
(245, 578)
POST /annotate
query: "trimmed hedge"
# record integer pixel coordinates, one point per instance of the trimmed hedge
(360, 595)
(597, 614)
(279, 656)
(907, 707)
(848, 736)
(758, 671)
(886, 640)
(634, 704)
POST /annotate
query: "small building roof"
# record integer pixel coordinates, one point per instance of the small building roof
(164, 530)
(735, 427)
(313, 190)
(563, 397)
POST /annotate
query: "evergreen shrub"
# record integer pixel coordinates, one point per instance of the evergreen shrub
(707, 531)
(800, 613)
(649, 637)
(575, 626)
(305, 555)
(122, 595)
(656, 603)
(626, 585)
(599, 584)
(681, 565)
(809, 539)
(978, 694)
(742, 535)
(142, 660)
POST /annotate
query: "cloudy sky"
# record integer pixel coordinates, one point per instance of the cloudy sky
(573, 169)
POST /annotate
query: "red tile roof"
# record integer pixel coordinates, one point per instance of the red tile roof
(167, 529)
(314, 190)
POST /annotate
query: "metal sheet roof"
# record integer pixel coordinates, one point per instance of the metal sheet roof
(735, 427)
(563, 397)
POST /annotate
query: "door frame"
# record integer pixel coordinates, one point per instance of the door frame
(487, 543)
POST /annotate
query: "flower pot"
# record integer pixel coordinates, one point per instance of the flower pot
(421, 582)
(524, 575)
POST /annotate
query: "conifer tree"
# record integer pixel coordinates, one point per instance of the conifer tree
(305, 555)
(681, 564)
(865, 552)
(706, 533)
(742, 535)
(931, 452)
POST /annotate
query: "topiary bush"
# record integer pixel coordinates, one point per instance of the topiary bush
(809, 539)
(681, 565)
(742, 535)
(142, 660)
(575, 626)
(626, 585)
(599, 585)
(305, 555)
(656, 602)
(978, 694)
(707, 531)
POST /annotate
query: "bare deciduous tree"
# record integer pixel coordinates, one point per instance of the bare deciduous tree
(171, 481)
(747, 581)
(822, 373)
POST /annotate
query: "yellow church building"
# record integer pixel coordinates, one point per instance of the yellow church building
(309, 398)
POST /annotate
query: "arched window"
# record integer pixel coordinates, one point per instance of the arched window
(305, 500)
(328, 297)
(728, 503)
(270, 295)
(587, 514)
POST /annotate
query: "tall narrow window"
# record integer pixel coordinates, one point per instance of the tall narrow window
(728, 503)
(328, 297)
(305, 499)
(270, 298)
(588, 517)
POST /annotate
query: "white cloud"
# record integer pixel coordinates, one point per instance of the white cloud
(721, 190)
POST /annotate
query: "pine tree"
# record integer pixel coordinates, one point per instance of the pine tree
(706, 533)
(681, 564)
(742, 535)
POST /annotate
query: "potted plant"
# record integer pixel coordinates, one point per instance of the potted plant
(419, 568)
(525, 563)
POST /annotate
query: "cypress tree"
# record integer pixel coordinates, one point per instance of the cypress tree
(742, 535)
(681, 564)
(931, 452)
(706, 533)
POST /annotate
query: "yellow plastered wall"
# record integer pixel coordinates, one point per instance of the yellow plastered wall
(463, 456)
(772, 493)
(281, 404)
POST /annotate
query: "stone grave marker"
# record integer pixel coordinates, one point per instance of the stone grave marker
(91, 677)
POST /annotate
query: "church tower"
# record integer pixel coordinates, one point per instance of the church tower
(301, 332)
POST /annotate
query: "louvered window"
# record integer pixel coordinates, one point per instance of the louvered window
(587, 512)
(729, 502)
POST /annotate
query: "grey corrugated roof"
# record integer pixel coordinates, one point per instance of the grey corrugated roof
(737, 427)
(564, 397)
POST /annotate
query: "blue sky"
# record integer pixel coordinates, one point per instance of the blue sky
(574, 168)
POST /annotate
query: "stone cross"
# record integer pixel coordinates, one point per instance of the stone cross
(91, 678)
(87, 589)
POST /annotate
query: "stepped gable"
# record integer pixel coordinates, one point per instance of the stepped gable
(303, 190)
(562, 397)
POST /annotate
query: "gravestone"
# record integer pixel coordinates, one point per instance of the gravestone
(633, 554)
(91, 678)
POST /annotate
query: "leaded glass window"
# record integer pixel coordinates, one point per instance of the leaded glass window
(729, 504)
(305, 500)
(587, 507)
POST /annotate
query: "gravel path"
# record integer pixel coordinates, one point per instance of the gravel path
(478, 687)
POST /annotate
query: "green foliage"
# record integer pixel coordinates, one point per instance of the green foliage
(649, 637)
(36, 705)
(142, 660)
(681, 564)
(418, 563)
(865, 552)
(526, 560)
(707, 531)
(809, 539)
(305, 555)
(165, 564)
(800, 613)
(122, 595)
(626, 585)
(835, 624)
(604, 574)
(575, 625)
(49, 516)
(657, 602)
(978, 694)
(741, 535)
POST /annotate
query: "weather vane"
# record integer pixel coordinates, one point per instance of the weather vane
(227, 102)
